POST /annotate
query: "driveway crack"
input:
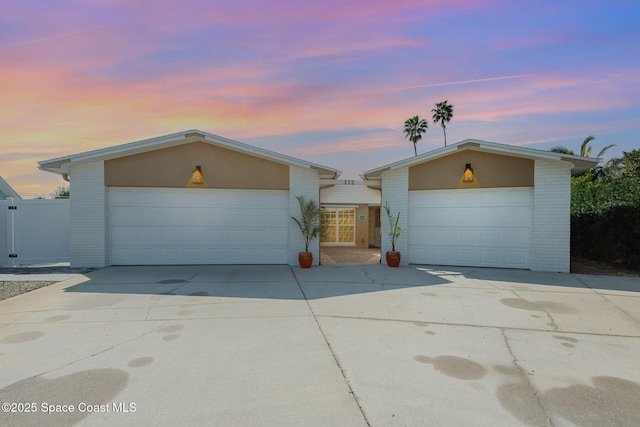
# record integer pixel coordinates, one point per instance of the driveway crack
(162, 296)
(552, 322)
(525, 377)
(366, 274)
(470, 274)
(333, 354)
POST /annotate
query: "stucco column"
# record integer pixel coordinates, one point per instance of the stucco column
(88, 238)
(395, 190)
(551, 222)
(302, 182)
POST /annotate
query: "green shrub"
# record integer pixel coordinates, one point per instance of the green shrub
(605, 219)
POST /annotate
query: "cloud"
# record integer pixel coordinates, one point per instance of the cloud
(97, 73)
(68, 34)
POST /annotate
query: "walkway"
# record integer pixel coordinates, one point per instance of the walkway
(340, 255)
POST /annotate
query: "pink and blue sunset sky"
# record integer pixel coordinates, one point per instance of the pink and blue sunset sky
(326, 81)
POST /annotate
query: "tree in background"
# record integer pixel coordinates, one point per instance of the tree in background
(585, 148)
(443, 113)
(414, 127)
(631, 164)
(62, 192)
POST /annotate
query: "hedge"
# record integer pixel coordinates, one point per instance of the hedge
(605, 219)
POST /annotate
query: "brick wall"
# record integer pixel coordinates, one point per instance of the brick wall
(551, 231)
(88, 233)
(395, 190)
(302, 182)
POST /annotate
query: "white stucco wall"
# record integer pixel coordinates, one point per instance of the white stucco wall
(88, 238)
(358, 194)
(551, 227)
(302, 182)
(395, 190)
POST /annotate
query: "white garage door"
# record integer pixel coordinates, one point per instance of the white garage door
(486, 228)
(198, 226)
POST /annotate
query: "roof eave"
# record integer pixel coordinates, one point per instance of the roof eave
(580, 164)
(8, 189)
(62, 165)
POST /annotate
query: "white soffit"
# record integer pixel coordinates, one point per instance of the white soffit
(350, 194)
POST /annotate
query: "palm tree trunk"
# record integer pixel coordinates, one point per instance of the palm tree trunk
(414, 148)
(444, 130)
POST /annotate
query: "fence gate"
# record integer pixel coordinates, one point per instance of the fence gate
(34, 231)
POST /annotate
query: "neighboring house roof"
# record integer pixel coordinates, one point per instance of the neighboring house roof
(7, 190)
(580, 164)
(62, 165)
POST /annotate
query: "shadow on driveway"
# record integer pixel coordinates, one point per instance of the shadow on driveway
(255, 281)
(292, 283)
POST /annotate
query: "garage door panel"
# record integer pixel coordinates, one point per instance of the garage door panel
(140, 255)
(487, 217)
(469, 236)
(439, 236)
(471, 216)
(156, 236)
(466, 237)
(490, 257)
(516, 258)
(440, 254)
(465, 256)
(490, 237)
(516, 237)
(518, 198)
(470, 227)
(203, 226)
(517, 216)
(439, 217)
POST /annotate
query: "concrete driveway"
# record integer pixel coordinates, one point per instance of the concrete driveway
(348, 346)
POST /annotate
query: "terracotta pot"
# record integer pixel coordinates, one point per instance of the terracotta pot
(305, 259)
(393, 259)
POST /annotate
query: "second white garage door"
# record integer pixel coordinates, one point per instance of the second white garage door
(485, 228)
(150, 226)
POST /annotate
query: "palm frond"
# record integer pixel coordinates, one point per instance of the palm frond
(604, 150)
(393, 224)
(584, 151)
(309, 222)
(562, 149)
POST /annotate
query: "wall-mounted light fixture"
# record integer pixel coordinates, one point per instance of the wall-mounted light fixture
(196, 178)
(468, 173)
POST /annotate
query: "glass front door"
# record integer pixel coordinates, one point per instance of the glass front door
(339, 226)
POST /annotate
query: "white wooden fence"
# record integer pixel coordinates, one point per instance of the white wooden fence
(34, 231)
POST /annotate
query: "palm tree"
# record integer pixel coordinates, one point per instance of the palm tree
(585, 148)
(562, 149)
(309, 221)
(443, 113)
(414, 127)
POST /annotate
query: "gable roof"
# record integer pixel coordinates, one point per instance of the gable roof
(7, 190)
(579, 163)
(62, 165)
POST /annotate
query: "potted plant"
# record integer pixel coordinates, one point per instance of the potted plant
(393, 257)
(309, 223)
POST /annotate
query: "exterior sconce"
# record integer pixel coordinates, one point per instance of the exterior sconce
(196, 178)
(468, 174)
